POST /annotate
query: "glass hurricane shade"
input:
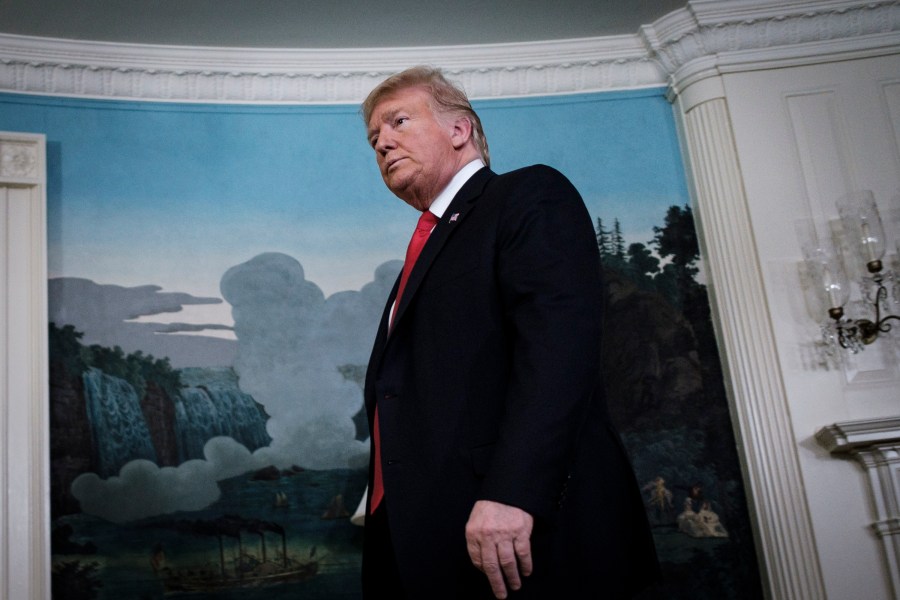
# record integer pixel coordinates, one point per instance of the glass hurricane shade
(825, 280)
(831, 278)
(862, 225)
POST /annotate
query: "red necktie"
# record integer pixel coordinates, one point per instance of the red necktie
(423, 229)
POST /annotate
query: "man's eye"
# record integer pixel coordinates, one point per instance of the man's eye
(402, 120)
(373, 141)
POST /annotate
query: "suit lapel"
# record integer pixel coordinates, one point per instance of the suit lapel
(457, 212)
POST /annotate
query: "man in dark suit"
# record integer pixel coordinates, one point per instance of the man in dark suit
(495, 469)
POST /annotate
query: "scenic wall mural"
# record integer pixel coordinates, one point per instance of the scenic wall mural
(216, 276)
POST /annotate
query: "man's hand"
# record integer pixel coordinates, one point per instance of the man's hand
(498, 537)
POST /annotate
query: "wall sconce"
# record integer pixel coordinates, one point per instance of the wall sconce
(860, 241)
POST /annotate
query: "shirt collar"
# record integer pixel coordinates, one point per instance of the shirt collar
(443, 200)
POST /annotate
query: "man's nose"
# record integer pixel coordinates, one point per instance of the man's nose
(385, 141)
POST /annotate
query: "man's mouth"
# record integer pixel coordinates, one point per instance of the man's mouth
(390, 164)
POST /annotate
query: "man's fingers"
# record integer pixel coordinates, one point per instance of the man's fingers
(491, 566)
(497, 539)
(523, 554)
(504, 564)
(506, 555)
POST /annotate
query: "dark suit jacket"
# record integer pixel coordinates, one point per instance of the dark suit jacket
(488, 387)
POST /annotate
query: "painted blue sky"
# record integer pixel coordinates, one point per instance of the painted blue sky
(176, 194)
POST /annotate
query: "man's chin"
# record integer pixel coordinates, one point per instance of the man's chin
(398, 185)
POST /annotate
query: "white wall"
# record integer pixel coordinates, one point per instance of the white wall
(780, 115)
(806, 135)
(769, 144)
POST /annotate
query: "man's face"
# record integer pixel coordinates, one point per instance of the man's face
(414, 147)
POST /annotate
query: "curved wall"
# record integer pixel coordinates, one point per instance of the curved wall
(702, 54)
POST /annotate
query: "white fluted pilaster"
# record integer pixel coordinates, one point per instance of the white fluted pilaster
(24, 396)
(758, 403)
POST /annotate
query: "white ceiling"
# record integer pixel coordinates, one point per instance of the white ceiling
(327, 23)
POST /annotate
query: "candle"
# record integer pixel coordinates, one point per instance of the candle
(868, 243)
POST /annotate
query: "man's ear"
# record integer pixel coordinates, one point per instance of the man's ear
(461, 133)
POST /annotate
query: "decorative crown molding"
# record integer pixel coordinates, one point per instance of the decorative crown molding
(710, 37)
(705, 37)
(145, 72)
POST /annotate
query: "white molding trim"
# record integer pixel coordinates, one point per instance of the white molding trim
(169, 73)
(680, 47)
(758, 402)
(24, 378)
(711, 37)
(850, 436)
(875, 444)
